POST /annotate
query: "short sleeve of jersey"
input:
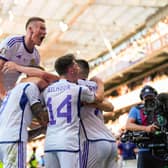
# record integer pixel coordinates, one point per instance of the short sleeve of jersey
(90, 84)
(133, 113)
(5, 50)
(87, 95)
(33, 94)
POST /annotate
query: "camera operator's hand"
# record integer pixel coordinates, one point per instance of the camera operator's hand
(151, 128)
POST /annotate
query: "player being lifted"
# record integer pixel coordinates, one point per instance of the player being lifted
(18, 52)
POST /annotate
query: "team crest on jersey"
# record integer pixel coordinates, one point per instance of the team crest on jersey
(3, 51)
(32, 62)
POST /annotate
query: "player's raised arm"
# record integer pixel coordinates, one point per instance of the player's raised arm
(37, 108)
(30, 71)
(33, 133)
(39, 112)
(105, 105)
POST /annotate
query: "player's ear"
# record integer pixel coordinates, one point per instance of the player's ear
(30, 29)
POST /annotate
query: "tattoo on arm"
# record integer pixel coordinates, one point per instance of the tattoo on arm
(39, 112)
(36, 132)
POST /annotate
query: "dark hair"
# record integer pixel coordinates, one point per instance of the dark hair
(63, 63)
(84, 66)
(147, 90)
(33, 19)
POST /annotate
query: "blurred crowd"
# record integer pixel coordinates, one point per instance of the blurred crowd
(35, 154)
(126, 88)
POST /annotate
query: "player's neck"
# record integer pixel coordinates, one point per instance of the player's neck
(29, 44)
(67, 77)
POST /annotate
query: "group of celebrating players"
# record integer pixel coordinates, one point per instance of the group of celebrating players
(76, 136)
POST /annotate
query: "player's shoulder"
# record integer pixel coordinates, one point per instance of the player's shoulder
(27, 85)
(60, 85)
(12, 40)
(67, 82)
(85, 82)
(88, 83)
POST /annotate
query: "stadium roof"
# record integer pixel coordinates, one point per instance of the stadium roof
(85, 27)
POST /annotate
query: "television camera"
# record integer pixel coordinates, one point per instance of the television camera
(157, 113)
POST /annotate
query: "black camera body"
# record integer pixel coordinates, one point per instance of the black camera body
(157, 112)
